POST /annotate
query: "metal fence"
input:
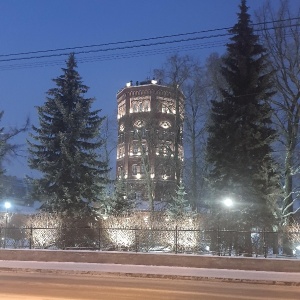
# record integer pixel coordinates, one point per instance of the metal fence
(176, 240)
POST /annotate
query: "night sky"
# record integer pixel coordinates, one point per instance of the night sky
(40, 25)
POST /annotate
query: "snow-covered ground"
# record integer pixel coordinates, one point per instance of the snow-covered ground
(161, 271)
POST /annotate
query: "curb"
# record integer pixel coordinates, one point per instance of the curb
(145, 275)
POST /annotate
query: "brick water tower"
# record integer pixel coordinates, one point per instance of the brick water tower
(150, 148)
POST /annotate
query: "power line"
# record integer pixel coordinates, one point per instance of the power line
(130, 47)
(116, 56)
(114, 43)
(141, 40)
(116, 48)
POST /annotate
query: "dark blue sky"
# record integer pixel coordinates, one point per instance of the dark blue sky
(34, 25)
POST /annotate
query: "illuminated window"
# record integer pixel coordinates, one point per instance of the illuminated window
(146, 106)
(167, 105)
(121, 152)
(139, 123)
(165, 124)
(135, 149)
(121, 109)
(139, 104)
(119, 171)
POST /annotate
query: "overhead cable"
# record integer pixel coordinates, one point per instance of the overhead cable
(143, 39)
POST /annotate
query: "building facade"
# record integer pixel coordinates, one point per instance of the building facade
(150, 148)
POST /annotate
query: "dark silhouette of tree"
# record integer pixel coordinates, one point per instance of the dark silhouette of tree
(65, 148)
(240, 131)
(283, 45)
(7, 148)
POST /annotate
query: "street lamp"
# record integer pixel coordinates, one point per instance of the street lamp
(7, 205)
(228, 202)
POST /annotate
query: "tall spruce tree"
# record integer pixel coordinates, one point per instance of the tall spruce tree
(240, 131)
(65, 148)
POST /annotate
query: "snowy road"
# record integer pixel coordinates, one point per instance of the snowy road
(159, 271)
(43, 286)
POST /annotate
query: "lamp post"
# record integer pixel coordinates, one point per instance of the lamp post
(7, 205)
(228, 202)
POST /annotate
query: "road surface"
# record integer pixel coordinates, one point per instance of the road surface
(53, 286)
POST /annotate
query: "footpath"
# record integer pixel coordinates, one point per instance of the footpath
(171, 272)
(285, 271)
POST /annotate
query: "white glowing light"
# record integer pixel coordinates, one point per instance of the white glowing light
(228, 202)
(7, 205)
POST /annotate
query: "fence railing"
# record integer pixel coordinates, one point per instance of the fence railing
(176, 240)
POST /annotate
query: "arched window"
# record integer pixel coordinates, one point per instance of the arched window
(121, 109)
(139, 123)
(135, 148)
(119, 171)
(146, 106)
(165, 124)
(141, 106)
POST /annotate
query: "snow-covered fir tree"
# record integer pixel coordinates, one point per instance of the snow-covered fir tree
(65, 148)
(239, 147)
(179, 206)
(121, 202)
